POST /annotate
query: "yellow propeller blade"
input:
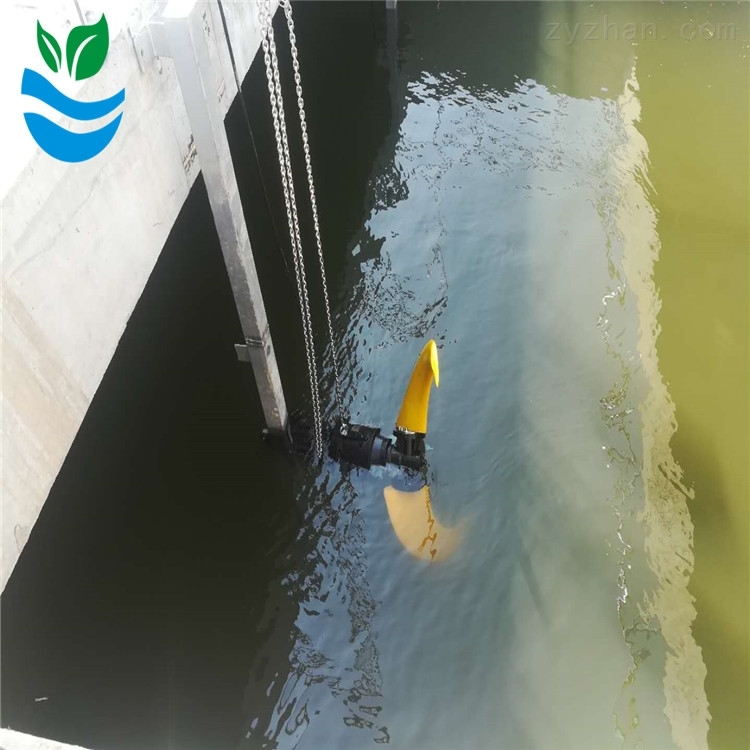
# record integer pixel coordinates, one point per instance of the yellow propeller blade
(419, 532)
(413, 414)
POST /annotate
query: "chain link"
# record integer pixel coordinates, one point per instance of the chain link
(287, 5)
(287, 179)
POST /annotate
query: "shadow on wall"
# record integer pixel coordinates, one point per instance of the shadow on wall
(139, 601)
(348, 117)
(127, 621)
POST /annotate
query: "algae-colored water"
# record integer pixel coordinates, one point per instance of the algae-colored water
(555, 178)
(562, 203)
(691, 64)
(695, 119)
(558, 194)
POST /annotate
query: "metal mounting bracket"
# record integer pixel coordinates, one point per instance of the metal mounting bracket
(244, 350)
(182, 34)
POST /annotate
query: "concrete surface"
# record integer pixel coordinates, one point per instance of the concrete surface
(10, 740)
(79, 241)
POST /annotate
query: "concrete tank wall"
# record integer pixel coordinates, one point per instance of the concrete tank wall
(79, 242)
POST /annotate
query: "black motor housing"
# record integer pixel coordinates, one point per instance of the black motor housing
(359, 445)
(365, 446)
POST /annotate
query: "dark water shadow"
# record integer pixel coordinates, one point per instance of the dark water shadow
(129, 619)
(348, 117)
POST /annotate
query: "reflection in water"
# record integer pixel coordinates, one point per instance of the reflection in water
(416, 527)
(649, 499)
(668, 527)
(402, 315)
(334, 644)
(509, 215)
(510, 219)
(700, 171)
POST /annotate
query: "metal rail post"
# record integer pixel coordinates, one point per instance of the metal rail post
(180, 34)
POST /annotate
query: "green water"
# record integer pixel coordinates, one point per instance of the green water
(700, 177)
(567, 217)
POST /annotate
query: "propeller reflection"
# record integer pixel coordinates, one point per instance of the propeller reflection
(416, 527)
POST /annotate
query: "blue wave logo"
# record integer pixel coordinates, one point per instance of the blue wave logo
(86, 50)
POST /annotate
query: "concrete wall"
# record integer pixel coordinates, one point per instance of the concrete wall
(10, 740)
(79, 242)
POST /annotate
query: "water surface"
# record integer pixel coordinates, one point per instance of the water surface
(534, 203)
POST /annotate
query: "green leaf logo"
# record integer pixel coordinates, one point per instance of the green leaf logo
(86, 49)
(49, 48)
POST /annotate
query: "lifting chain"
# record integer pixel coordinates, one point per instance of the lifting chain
(287, 5)
(287, 178)
(287, 181)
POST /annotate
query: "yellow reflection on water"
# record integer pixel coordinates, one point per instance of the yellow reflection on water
(416, 527)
